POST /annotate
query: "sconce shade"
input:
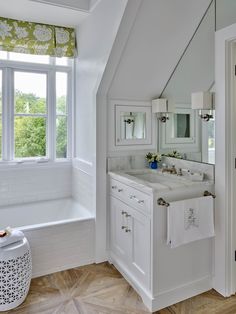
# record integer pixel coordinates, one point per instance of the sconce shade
(202, 101)
(159, 105)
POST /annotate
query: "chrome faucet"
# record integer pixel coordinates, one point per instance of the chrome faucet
(171, 170)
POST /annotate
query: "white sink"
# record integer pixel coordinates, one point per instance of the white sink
(163, 180)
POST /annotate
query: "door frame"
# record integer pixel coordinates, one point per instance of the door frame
(224, 279)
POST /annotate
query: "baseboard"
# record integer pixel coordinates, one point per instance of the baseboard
(181, 293)
(166, 298)
(61, 268)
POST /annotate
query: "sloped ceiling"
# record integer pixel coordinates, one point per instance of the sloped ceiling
(160, 33)
(58, 12)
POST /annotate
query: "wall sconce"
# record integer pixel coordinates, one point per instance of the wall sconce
(203, 101)
(162, 108)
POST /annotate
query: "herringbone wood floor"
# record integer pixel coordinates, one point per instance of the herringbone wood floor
(100, 289)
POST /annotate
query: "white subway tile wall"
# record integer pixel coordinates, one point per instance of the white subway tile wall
(29, 184)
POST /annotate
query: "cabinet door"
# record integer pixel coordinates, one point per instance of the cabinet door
(140, 232)
(120, 239)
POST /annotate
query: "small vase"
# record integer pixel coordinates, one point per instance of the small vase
(153, 165)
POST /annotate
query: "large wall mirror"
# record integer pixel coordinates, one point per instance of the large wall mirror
(185, 131)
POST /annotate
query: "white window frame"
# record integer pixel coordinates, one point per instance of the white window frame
(8, 67)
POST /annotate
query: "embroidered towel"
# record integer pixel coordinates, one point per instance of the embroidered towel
(190, 220)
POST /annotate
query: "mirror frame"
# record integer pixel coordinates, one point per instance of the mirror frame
(182, 145)
(113, 149)
(121, 142)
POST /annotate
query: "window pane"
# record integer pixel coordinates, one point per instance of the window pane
(28, 57)
(61, 92)
(30, 137)
(30, 92)
(61, 137)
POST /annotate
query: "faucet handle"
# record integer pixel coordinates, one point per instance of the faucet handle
(179, 173)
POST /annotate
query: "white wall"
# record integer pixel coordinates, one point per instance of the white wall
(95, 39)
(96, 36)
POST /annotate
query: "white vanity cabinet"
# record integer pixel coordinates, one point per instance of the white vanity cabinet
(138, 244)
(130, 232)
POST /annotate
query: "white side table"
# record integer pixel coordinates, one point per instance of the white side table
(15, 274)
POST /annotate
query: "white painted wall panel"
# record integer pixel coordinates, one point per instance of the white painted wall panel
(82, 188)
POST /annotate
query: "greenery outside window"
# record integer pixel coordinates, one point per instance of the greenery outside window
(36, 102)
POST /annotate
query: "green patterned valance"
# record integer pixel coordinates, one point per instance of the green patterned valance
(37, 39)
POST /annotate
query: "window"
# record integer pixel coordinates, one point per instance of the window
(0, 113)
(36, 98)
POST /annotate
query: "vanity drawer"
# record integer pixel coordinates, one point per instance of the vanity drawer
(130, 196)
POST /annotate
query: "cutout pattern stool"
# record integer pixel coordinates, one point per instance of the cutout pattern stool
(15, 274)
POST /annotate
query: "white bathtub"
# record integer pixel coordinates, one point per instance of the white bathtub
(60, 233)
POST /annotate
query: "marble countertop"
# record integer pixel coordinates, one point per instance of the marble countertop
(149, 180)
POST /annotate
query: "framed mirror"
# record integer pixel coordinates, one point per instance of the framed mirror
(180, 132)
(133, 125)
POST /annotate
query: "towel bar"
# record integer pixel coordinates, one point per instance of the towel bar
(162, 202)
(207, 193)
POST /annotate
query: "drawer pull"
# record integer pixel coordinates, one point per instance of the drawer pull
(127, 215)
(141, 201)
(127, 230)
(132, 197)
(114, 187)
(120, 190)
(123, 212)
(123, 227)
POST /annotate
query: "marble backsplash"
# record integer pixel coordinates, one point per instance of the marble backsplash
(139, 162)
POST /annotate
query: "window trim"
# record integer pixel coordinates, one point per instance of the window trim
(8, 68)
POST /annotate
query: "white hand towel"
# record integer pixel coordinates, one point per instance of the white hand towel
(15, 236)
(190, 220)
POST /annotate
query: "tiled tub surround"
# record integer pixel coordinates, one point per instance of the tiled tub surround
(30, 183)
(40, 201)
(60, 233)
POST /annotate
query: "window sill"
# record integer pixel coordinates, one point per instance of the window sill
(22, 164)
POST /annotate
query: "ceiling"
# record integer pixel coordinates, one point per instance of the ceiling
(59, 12)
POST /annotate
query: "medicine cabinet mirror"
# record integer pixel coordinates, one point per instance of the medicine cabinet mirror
(133, 125)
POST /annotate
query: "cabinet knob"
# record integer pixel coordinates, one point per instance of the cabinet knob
(120, 190)
(123, 227)
(123, 212)
(127, 230)
(132, 197)
(114, 187)
(127, 215)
